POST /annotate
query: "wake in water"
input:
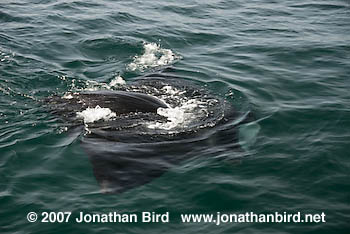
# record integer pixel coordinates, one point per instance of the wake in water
(136, 131)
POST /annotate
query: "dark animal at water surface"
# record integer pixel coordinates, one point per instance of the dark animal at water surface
(147, 127)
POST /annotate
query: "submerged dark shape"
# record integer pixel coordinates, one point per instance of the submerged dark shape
(141, 142)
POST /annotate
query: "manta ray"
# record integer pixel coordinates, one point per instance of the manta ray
(139, 131)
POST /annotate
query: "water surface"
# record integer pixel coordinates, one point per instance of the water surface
(289, 60)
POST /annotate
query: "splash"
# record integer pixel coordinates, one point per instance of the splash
(182, 114)
(92, 85)
(117, 81)
(179, 116)
(91, 115)
(153, 56)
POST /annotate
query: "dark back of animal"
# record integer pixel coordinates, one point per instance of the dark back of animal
(120, 102)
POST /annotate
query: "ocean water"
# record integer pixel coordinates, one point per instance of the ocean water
(288, 62)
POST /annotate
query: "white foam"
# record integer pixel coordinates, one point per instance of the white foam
(179, 116)
(183, 114)
(153, 56)
(91, 115)
(172, 91)
(118, 80)
(92, 85)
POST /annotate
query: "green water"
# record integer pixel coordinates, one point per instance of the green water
(290, 60)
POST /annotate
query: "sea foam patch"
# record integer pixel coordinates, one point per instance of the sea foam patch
(91, 115)
(178, 116)
(117, 81)
(181, 115)
(92, 85)
(153, 56)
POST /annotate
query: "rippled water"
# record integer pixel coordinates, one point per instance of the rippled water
(288, 62)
